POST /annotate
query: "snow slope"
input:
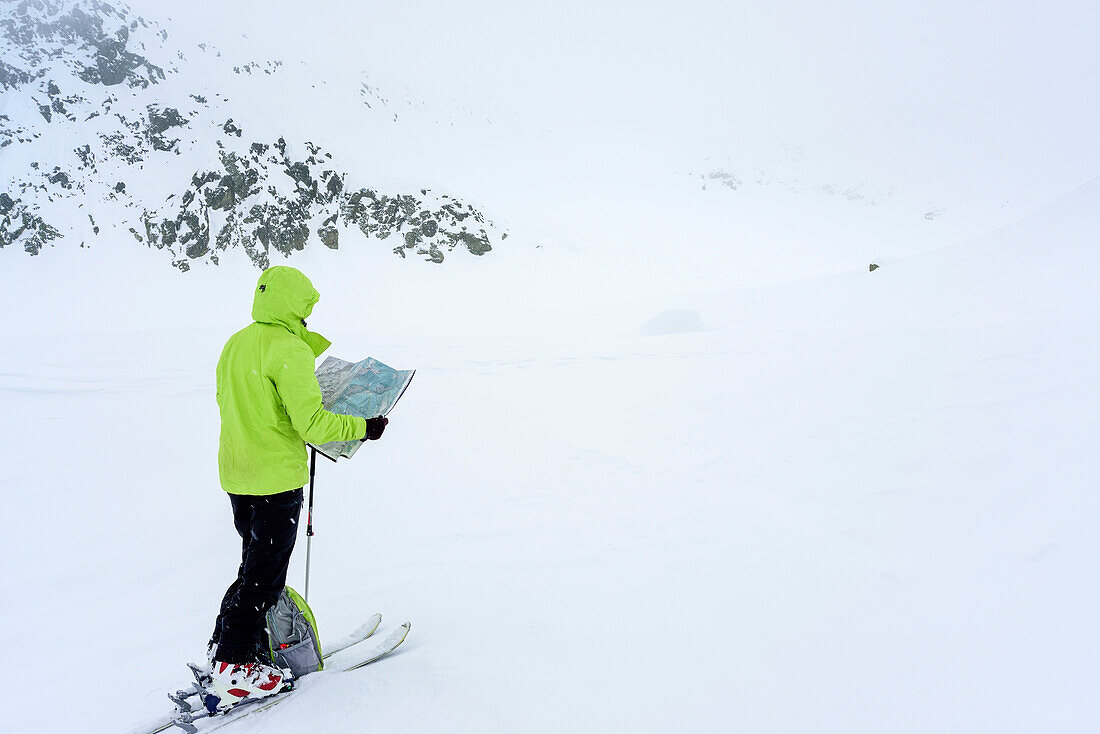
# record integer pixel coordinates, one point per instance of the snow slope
(862, 502)
(673, 460)
(715, 144)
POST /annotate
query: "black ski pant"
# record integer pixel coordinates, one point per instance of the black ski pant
(268, 526)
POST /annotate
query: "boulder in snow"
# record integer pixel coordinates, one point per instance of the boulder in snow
(673, 321)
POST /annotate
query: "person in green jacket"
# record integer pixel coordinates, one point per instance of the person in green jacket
(270, 405)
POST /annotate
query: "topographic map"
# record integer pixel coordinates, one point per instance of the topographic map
(366, 389)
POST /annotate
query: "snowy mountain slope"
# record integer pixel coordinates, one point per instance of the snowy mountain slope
(674, 460)
(579, 152)
(854, 503)
(108, 124)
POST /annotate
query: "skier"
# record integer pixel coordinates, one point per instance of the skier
(270, 405)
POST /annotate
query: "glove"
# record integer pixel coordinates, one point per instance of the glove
(375, 426)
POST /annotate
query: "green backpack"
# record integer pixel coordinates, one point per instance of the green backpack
(292, 639)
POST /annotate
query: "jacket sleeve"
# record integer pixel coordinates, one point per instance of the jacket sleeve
(301, 395)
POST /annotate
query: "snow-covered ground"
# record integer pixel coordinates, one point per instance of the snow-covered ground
(863, 502)
(674, 459)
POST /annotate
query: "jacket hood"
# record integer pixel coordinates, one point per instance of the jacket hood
(284, 296)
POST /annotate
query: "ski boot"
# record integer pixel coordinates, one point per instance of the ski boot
(231, 683)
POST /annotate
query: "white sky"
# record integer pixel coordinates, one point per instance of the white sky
(1006, 85)
(977, 112)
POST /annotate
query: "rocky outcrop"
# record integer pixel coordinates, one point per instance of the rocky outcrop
(19, 224)
(90, 38)
(256, 216)
(160, 121)
(267, 197)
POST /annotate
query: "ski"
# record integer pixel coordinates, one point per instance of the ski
(384, 648)
(360, 633)
(392, 642)
(247, 708)
(183, 698)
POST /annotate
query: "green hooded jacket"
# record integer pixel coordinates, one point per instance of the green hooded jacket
(268, 395)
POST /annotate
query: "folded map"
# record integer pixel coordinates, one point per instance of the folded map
(367, 388)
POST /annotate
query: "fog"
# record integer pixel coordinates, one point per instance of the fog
(977, 91)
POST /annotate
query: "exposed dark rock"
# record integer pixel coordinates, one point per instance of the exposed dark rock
(330, 237)
(115, 65)
(60, 178)
(333, 184)
(220, 198)
(10, 132)
(161, 120)
(197, 249)
(300, 173)
(42, 235)
(201, 179)
(11, 77)
(44, 29)
(240, 179)
(87, 158)
(476, 244)
(124, 146)
(282, 226)
(434, 254)
(239, 199)
(19, 224)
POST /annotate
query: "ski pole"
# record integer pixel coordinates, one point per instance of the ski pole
(309, 514)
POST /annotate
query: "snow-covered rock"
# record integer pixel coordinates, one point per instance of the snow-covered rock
(106, 121)
(673, 321)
